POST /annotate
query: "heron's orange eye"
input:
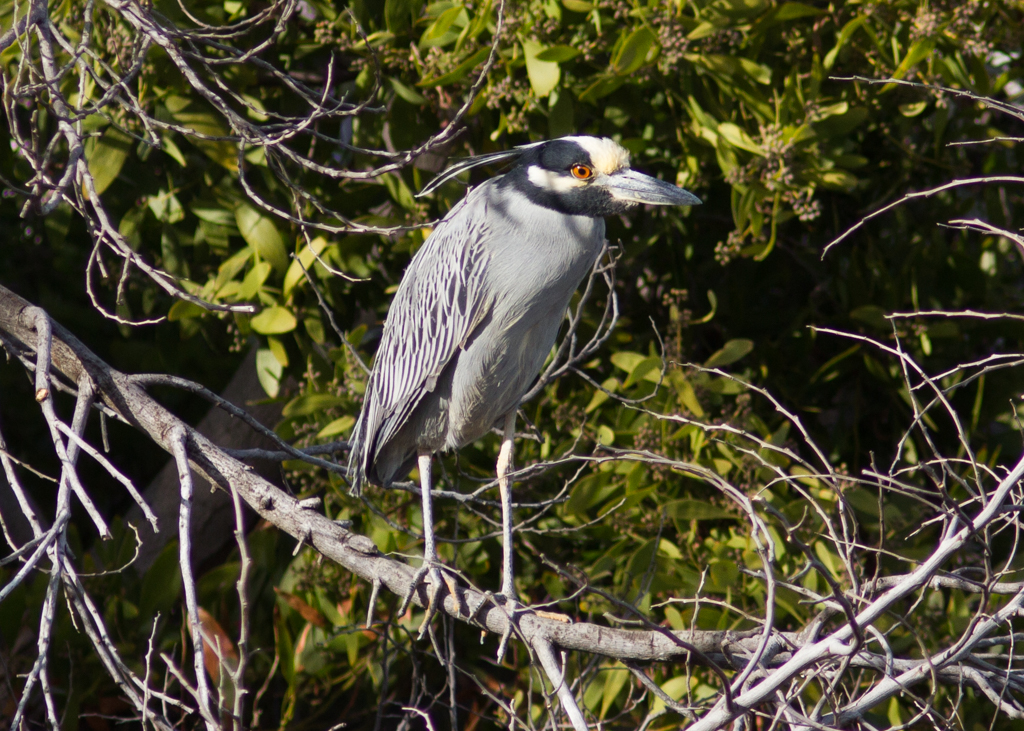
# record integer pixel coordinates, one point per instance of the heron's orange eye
(582, 172)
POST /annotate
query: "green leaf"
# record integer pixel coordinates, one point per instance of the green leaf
(310, 403)
(831, 561)
(544, 75)
(703, 30)
(259, 232)
(803, 475)
(400, 14)
(832, 110)
(844, 35)
(166, 207)
(592, 695)
(559, 54)
(256, 111)
(670, 549)
(352, 642)
(674, 689)
(599, 397)
(913, 110)
(285, 648)
(589, 492)
(314, 326)
(440, 31)
(356, 335)
(253, 281)
(690, 509)
(278, 349)
(757, 71)
(207, 123)
(483, 18)
(92, 123)
(161, 584)
(182, 310)
(58, 223)
(303, 261)
(894, 714)
(627, 360)
(837, 180)
(739, 9)
(731, 352)
(871, 315)
(399, 191)
(641, 560)
(336, 427)
(171, 148)
(615, 680)
(840, 125)
(459, 72)
(274, 321)
(917, 53)
(726, 386)
(724, 575)
(233, 265)
(792, 11)
(561, 114)
(649, 365)
(713, 302)
(604, 86)
(216, 215)
(687, 396)
(635, 52)
(407, 92)
(737, 137)
(268, 371)
(106, 157)
(730, 67)
(578, 6)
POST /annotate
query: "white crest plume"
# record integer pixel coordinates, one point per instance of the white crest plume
(469, 163)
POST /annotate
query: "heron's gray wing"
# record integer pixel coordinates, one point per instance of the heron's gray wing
(437, 306)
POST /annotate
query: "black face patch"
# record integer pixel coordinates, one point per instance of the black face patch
(559, 157)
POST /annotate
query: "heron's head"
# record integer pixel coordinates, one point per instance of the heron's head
(579, 175)
(589, 176)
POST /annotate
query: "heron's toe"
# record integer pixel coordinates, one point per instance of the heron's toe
(434, 592)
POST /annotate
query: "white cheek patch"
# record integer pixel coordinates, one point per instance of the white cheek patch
(552, 181)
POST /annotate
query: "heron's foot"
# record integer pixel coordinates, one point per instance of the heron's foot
(501, 601)
(435, 579)
(513, 608)
(374, 593)
(509, 599)
(413, 585)
(510, 606)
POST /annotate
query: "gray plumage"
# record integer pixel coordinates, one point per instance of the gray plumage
(478, 310)
(474, 318)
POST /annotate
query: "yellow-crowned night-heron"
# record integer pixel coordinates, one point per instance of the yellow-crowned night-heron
(479, 308)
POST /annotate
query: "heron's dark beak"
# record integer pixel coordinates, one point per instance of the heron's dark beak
(633, 187)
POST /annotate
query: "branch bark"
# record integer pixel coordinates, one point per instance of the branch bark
(20, 324)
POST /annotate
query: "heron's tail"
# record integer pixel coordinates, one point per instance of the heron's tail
(356, 458)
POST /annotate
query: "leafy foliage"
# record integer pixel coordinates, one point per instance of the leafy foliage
(765, 110)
